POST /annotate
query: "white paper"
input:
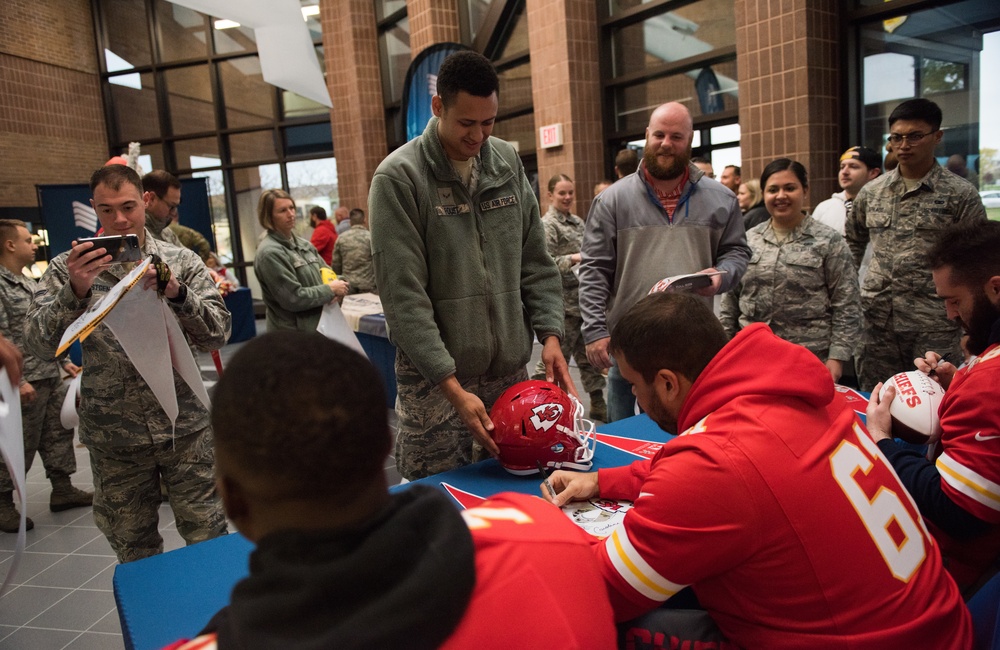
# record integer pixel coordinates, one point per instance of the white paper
(287, 55)
(68, 415)
(97, 309)
(153, 341)
(333, 325)
(12, 450)
(599, 517)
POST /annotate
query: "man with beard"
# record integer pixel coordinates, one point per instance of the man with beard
(956, 485)
(666, 219)
(756, 500)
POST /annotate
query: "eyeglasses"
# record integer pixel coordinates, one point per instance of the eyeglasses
(172, 207)
(911, 138)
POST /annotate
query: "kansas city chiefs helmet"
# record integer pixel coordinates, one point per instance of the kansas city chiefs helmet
(535, 421)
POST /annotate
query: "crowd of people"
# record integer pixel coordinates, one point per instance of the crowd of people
(772, 474)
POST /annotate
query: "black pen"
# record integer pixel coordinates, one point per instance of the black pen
(545, 479)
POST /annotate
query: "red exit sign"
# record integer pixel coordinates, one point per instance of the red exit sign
(550, 136)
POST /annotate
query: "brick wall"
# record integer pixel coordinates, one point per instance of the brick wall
(357, 118)
(51, 115)
(432, 21)
(789, 77)
(566, 89)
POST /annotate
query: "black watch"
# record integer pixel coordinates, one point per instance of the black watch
(182, 295)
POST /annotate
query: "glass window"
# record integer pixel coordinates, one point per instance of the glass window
(295, 105)
(311, 182)
(189, 95)
(310, 11)
(476, 12)
(217, 204)
(673, 36)
(182, 32)
(515, 86)
(248, 183)
(704, 91)
(309, 139)
(234, 39)
(519, 131)
(618, 6)
(517, 41)
(127, 31)
(253, 146)
(248, 98)
(950, 55)
(385, 8)
(197, 153)
(135, 107)
(150, 157)
(395, 45)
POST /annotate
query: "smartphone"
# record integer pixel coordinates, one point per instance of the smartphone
(122, 248)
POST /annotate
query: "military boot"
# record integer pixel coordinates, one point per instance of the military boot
(10, 518)
(65, 496)
(598, 407)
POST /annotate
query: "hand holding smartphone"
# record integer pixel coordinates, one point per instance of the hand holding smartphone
(121, 248)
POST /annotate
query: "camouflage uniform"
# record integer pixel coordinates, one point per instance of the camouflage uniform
(563, 238)
(903, 316)
(352, 259)
(804, 287)
(129, 436)
(192, 240)
(158, 228)
(426, 440)
(43, 431)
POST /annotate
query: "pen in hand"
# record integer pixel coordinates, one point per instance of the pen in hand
(545, 479)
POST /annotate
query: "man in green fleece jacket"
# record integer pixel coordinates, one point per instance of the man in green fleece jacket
(463, 273)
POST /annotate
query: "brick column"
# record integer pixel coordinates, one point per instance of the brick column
(789, 76)
(357, 119)
(565, 82)
(432, 21)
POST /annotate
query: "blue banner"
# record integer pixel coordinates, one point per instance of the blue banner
(421, 85)
(67, 214)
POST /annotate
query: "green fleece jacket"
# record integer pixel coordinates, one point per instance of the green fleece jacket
(463, 279)
(291, 283)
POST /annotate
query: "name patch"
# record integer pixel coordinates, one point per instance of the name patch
(452, 210)
(502, 202)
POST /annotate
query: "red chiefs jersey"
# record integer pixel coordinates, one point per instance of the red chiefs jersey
(537, 585)
(969, 462)
(779, 509)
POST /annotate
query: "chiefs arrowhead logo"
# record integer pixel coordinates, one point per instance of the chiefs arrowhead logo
(544, 416)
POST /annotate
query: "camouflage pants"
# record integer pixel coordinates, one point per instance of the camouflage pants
(572, 345)
(44, 433)
(431, 437)
(884, 352)
(127, 493)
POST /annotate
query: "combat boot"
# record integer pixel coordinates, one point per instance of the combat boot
(65, 496)
(10, 518)
(598, 407)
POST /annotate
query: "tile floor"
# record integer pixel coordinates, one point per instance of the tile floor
(61, 596)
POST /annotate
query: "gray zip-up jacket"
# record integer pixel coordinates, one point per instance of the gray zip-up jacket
(464, 280)
(629, 244)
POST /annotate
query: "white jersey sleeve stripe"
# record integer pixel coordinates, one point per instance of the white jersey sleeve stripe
(968, 482)
(635, 570)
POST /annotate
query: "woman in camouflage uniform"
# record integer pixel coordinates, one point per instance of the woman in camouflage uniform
(801, 279)
(563, 239)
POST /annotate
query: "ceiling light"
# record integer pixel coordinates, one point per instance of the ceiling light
(310, 10)
(226, 24)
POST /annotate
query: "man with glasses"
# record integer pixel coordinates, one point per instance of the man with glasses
(902, 213)
(162, 198)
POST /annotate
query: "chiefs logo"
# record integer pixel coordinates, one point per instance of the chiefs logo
(544, 416)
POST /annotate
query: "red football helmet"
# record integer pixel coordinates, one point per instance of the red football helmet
(535, 421)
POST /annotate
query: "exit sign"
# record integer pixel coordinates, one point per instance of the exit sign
(550, 136)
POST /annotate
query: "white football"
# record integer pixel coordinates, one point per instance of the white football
(914, 410)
